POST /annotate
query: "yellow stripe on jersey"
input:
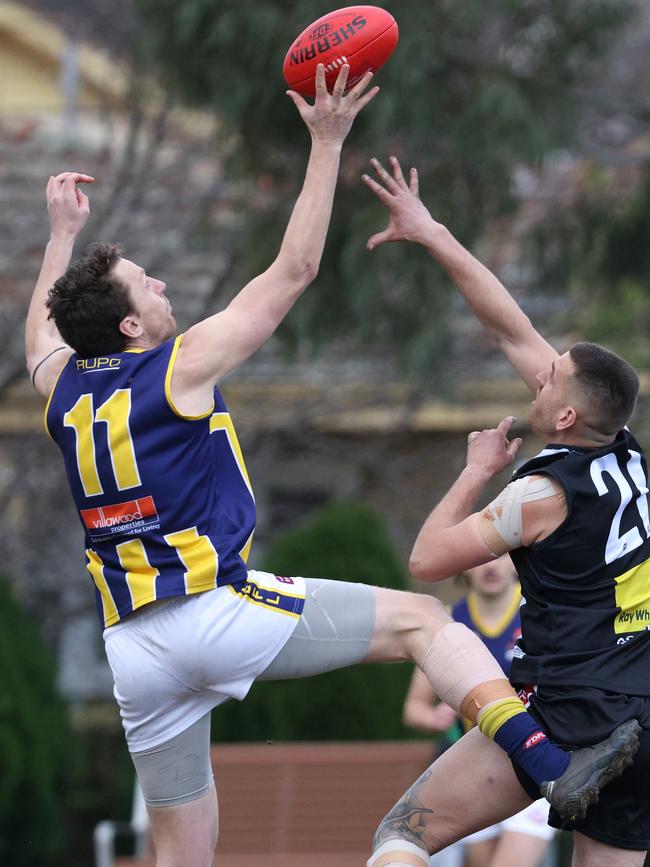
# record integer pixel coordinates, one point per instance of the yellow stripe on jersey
(96, 569)
(222, 421)
(140, 574)
(633, 598)
(168, 387)
(198, 555)
(115, 413)
(80, 418)
(245, 551)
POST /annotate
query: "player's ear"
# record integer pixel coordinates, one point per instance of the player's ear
(566, 419)
(130, 326)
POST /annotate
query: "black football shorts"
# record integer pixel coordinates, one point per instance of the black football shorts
(579, 716)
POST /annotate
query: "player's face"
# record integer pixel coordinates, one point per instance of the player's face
(152, 308)
(493, 578)
(552, 398)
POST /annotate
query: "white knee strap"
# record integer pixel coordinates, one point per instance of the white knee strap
(399, 853)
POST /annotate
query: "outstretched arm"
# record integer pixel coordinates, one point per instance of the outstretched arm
(220, 343)
(68, 211)
(490, 301)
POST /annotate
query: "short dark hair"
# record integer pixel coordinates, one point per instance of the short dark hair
(88, 303)
(609, 384)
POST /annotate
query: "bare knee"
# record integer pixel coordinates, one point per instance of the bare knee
(406, 624)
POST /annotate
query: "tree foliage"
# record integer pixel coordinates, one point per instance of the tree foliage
(348, 542)
(600, 249)
(472, 89)
(34, 744)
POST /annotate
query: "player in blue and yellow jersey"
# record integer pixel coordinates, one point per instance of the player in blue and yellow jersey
(491, 609)
(168, 512)
(575, 521)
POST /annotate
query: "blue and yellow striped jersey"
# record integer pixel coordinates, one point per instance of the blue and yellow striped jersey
(164, 499)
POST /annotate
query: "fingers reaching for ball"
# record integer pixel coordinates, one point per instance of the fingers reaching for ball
(331, 116)
(341, 80)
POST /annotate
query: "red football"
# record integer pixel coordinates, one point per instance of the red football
(362, 36)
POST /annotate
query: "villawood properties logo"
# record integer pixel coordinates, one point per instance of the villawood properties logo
(133, 516)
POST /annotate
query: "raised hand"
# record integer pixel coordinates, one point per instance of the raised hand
(68, 208)
(490, 450)
(409, 220)
(331, 116)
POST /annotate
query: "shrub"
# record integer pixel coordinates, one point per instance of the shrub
(34, 744)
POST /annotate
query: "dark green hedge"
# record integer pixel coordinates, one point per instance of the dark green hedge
(35, 743)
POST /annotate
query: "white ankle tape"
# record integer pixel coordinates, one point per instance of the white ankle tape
(399, 853)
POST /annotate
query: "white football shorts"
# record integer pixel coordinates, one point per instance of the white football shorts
(175, 660)
(533, 820)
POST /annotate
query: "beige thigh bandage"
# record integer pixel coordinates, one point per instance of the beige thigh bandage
(500, 523)
(457, 664)
(399, 853)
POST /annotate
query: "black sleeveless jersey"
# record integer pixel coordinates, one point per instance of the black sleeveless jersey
(586, 587)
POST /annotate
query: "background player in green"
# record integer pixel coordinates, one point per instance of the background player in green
(168, 512)
(575, 521)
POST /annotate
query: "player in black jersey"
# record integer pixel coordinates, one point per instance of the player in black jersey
(575, 521)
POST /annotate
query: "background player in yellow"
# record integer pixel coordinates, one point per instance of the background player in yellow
(168, 514)
(575, 521)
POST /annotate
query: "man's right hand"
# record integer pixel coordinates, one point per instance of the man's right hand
(330, 118)
(68, 208)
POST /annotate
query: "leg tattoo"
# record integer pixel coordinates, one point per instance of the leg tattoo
(406, 819)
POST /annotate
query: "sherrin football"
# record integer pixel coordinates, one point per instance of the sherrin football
(362, 36)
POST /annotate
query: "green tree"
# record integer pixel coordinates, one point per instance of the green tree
(346, 541)
(600, 250)
(35, 744)
(472, 89)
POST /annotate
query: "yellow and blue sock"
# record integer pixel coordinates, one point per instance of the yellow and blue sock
(508, 724)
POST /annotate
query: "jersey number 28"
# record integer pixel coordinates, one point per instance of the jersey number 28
(619, 544)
